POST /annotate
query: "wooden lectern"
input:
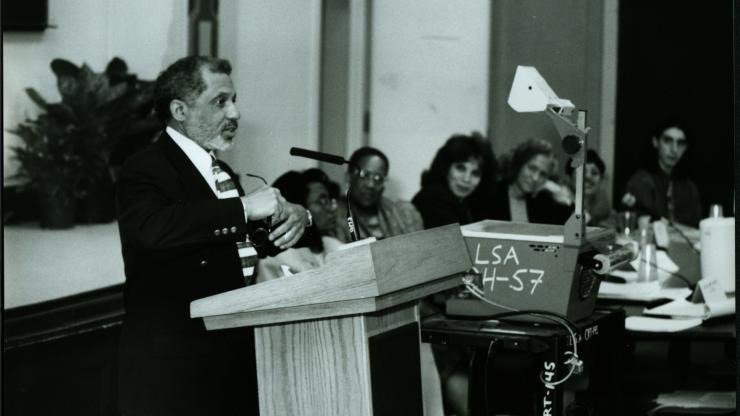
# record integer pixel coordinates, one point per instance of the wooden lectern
(343, 339)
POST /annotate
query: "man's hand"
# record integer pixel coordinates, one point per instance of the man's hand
(291, 230)
(264, 202)
(560, 193)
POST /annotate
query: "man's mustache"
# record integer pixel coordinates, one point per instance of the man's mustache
(231, 125)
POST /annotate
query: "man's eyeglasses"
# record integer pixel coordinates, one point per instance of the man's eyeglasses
(377, 178)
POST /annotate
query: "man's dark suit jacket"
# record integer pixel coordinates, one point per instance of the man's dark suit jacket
(179, 244)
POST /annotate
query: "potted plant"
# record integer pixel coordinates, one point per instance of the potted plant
(52, 168)
(67, 150)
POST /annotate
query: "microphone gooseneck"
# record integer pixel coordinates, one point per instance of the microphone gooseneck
(337, 160)
(321, 156)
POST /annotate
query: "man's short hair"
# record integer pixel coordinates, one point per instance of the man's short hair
(183, 80)
(364, 152)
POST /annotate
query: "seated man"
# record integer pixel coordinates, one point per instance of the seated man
(373, 214)
(380, 217)
(662, 188)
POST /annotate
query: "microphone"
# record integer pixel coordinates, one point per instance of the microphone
(320, 156)
(337, 160)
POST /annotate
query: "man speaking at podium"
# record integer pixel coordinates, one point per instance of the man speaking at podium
(183, 221)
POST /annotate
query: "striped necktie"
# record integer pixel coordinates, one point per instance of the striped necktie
(226, 188)
(670, 202)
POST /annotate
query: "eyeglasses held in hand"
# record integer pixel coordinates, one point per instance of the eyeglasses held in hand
(256, 176)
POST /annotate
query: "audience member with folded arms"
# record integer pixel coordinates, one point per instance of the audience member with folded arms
(662, 186)
(313, 190)
(523, 195)
(458, 186)
(373, 214)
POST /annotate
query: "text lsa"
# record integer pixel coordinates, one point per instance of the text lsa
(495, 258)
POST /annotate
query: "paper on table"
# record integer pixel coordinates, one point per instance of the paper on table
(649, 324)
(634, 290)
(628, 275)
(712, 307)
(680, 308)
(663, 262)
(640, 291)
(723, 308)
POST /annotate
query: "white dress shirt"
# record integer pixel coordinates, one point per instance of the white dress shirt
(200, 158)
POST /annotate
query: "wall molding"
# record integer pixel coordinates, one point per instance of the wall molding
(60, 318)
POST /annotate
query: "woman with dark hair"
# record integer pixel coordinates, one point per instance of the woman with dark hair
(313, 190)
(457, 184)
(526, 194)
(455, 189)
(662, 187)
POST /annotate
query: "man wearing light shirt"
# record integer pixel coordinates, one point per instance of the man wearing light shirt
(179, 244)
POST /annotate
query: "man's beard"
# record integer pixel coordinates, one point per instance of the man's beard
(218, 143)
(205, 139)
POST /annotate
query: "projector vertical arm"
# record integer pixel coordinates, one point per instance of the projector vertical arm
(574, 141)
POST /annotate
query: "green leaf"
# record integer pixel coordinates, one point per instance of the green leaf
(116, 71)
(36, 97)
(64, 68)
(62, 113)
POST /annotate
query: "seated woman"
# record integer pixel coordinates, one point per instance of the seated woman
(311, 189)
(662, 187)
(374, 215)
(458, 185)
(596, 201)
(455, 189)
(523, 195)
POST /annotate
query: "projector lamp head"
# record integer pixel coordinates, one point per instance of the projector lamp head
(530, 93)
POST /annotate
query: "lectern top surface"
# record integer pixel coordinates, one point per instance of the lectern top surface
(520, 231)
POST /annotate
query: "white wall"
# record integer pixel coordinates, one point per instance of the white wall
(147, 34)
(429, 80)
(274, 48)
